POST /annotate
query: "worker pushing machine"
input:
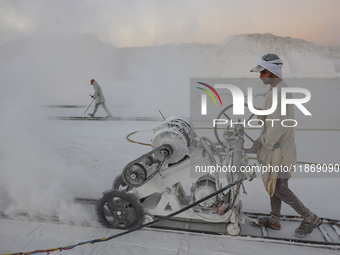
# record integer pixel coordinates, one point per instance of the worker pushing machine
(276, 147)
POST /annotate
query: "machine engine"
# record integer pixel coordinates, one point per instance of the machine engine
(177, 132)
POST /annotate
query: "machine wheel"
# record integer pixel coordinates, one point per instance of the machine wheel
(119, 184)
(232, 229)
(223, 112)
(119, 210)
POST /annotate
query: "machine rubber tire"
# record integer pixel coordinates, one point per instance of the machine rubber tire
(119, 201)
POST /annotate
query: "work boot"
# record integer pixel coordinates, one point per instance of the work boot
(91, 115)
(265, 222)
(306, 227)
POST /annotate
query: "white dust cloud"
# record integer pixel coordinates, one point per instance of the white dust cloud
(34, 179)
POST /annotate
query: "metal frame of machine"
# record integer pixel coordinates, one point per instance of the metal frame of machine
(151, 185)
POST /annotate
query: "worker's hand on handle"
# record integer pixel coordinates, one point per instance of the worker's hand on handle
(91, 95)
(257, 145)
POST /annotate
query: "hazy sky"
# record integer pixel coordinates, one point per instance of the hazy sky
(156, 22)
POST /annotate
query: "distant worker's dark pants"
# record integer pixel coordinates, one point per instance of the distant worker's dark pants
(103, 105)
(283, 193)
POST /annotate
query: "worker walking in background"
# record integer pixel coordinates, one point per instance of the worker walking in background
(100, 99)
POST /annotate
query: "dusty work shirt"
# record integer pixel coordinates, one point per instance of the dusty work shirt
(273, 132)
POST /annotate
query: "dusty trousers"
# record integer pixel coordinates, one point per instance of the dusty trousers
(283, 193)
(104, 107)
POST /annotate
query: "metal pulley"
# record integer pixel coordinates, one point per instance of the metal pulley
(135, 174)
(164, 153)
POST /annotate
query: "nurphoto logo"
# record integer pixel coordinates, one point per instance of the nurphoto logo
(239, 104)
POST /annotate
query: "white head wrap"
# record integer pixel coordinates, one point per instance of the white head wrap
(273, 66)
